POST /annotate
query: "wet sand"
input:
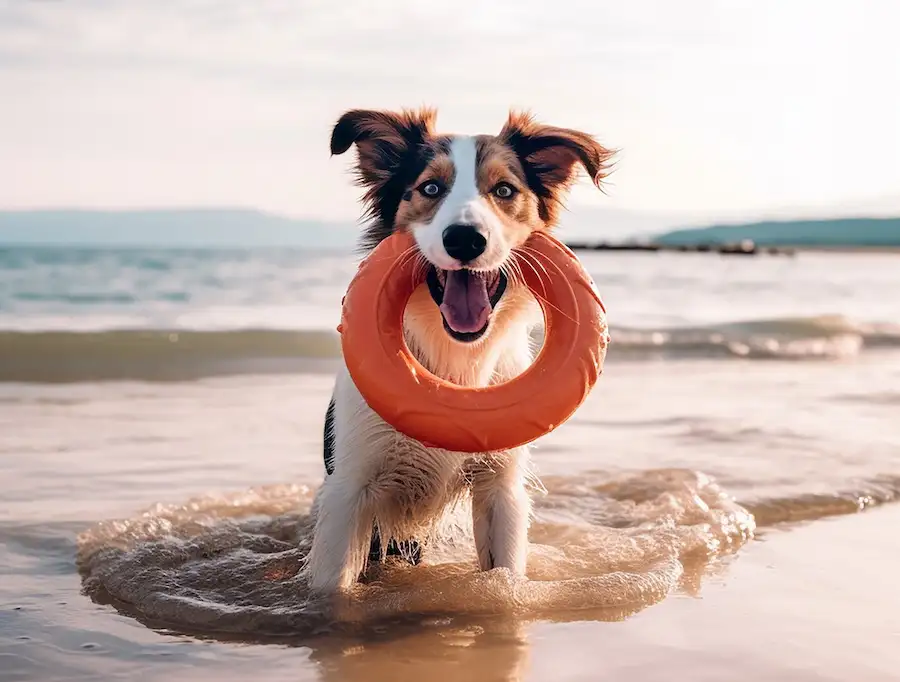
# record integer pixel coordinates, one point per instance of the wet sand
(810, 450)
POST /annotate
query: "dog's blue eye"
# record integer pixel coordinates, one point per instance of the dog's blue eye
(504, 191)
(431, 189)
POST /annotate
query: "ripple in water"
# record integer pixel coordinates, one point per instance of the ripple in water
(231, 564)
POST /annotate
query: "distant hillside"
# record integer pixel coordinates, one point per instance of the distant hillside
(842, 232)
(171, 228)
(242, 228)
(226, 227)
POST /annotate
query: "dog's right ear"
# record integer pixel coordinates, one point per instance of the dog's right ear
(383, 139)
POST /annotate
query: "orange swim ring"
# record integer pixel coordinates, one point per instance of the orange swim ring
(442, 414)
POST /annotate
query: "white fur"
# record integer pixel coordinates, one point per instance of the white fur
(408, 490)
(463, 204)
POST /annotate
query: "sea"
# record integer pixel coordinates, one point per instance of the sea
(719, 508)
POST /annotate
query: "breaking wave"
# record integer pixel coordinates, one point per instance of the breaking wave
(180, 354)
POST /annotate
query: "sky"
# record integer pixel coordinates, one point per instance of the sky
(716, 106)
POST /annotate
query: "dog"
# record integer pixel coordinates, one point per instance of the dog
(470, 203)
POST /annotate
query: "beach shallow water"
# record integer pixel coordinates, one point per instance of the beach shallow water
(687, 526)
(721, 507)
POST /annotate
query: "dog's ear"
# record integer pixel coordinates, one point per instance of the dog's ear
(550, 157)
(383, 139)
(388, 146)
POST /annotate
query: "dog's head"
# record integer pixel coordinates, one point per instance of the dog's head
(469, 201)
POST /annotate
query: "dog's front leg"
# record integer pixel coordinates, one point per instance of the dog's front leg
(344, 509)
(341, 537)
(501, 511)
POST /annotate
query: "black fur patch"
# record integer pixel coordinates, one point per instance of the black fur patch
(534, 173)
(328, 439)
(408, 548)
(382, 210)
(393, 148)
(386, 200)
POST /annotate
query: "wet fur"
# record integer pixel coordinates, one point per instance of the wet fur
(379, 483)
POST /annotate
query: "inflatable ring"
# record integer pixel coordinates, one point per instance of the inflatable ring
(445, 415)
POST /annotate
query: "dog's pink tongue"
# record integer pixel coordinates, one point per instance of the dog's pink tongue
(466, 305)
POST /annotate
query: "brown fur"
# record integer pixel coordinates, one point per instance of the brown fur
(550, 156)
(418, 208)
(392, 148)
(498, 163)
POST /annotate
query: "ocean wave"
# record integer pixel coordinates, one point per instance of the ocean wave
(161, 355)
(149, 354)
(809, 338)
(74, 299)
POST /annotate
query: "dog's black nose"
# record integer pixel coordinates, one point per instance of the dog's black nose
(464, 242)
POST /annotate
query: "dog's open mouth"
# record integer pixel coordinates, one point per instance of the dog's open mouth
(466, 299)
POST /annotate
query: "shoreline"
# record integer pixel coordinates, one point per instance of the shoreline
(573, 244)
(745, 248)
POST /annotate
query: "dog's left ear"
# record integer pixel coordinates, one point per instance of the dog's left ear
(383, 139)
(387, 145)
(551, 155)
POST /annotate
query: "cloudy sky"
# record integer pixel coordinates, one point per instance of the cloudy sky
(717, 105)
